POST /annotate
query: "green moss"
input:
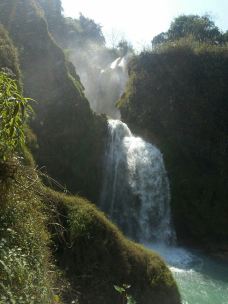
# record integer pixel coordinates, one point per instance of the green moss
(96, 256)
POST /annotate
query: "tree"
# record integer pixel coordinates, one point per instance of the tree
(225, 37)
(91, 31)
(52, 8)
(53, 14)
(160, 38)
(124, 47)
(83, 31)
(201, 28)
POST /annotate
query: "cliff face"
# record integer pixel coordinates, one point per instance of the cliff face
(70, 136)
(177, 99)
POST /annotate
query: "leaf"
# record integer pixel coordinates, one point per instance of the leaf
(119, 289)
(126, 286)
(14, 109)
(11, 98)
(22, 110)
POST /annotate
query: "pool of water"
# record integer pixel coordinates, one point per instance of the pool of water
(201, 280)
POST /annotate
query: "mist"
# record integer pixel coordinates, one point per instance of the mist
(103, 73)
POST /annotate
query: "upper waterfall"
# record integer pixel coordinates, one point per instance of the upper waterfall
(136, 188)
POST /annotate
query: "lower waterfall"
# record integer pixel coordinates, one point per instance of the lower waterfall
(136, 188)
(136, 196)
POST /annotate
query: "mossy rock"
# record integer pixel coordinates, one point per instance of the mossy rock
(96, 256)
(56, 246)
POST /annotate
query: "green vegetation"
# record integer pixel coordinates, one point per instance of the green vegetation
(201, 29)
(26, 270)
(69, 31)
(14, 109)
(125, 297)
(96, 256)
(8, 54)
(177, 99)
(90, 251)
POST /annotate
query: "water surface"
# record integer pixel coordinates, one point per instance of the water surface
(201, 280)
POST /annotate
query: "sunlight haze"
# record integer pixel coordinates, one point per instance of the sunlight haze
(140, 23)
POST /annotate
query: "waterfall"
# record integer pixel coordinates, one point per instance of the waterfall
(136, 196)
(136, 188)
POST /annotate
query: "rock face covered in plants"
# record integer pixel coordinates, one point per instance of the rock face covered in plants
(8, 54)
(177, 98)
(70, 136)
(96, 256)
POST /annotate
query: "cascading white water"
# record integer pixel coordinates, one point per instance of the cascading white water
(136, 188)
(136, 196)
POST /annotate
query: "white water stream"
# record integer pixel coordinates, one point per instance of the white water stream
(136, 196)
(136, 189)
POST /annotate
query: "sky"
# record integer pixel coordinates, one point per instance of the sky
(139, 21)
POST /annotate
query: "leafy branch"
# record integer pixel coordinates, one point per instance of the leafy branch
(14, 111)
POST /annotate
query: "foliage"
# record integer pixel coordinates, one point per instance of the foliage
(70, 31)
(160, 38)
(125, 297)
(51, 7)
(225, 37)
(52, 10)
(81, 32)
(124, 47)
(201, 28)
(87, 246)
(14, 110)
(91, 30)
(26, 270)
(188, 45)
(8, 53)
